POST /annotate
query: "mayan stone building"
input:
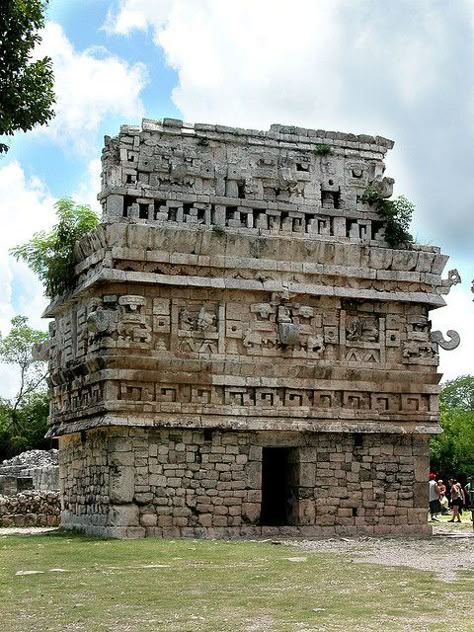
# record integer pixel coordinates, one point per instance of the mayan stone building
(244, 354)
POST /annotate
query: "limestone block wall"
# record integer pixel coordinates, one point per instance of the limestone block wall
(134, 482)
(44, 478)
(84, 479)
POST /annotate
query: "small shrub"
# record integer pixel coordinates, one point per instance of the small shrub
(397, 215)
(218, 229)
(323, 150)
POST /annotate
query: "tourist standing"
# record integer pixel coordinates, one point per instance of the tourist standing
(469, 494)
(469, 491)
(456, 499)
(443, 499)
(434, 493)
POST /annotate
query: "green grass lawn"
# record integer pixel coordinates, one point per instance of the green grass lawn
(187, 585)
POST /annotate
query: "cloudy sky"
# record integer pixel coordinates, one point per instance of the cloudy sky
(403, 69)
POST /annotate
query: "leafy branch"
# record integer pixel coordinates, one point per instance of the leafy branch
(51, 254)
(26, 83)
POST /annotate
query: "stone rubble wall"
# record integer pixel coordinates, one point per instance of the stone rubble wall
(30, 509)
(173, 483)
(32, 458)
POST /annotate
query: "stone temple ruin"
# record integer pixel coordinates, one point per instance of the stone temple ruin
(243, 354)
(34, 469)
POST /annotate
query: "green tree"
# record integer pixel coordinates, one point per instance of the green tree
(459, 393)
(26, 84)
(23, 417)
(17, 349)
(52, 254)
(32, 419)
(452, 453)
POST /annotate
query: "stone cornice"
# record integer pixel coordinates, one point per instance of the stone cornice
(224, 422)
(203, 258)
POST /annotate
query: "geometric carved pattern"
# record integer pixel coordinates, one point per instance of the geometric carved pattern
(264, 397)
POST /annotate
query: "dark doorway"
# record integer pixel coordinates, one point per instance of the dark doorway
(277, 486)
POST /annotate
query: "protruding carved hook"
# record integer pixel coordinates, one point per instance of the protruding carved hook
(448, 345)
(453, 279)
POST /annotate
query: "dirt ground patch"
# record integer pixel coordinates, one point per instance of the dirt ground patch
(445, 553)
(26, 530)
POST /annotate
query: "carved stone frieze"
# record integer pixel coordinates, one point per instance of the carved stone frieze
(146, 393)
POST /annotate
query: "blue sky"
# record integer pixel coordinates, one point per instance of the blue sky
(400, 69)
(83, 23)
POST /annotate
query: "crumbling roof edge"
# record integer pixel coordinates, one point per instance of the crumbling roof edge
(276, 131)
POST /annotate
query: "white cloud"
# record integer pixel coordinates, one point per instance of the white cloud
(90, 85)
(27, 207)
(89, 187)
(249, 61)
(400, 69)
(137, 14)
(456, 315)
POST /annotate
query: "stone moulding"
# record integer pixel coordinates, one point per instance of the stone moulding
(243, 354)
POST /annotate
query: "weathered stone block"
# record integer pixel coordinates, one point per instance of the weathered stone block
(122, 484)
(250, 512)
(123, 515)
(307, 475)
(205, 519)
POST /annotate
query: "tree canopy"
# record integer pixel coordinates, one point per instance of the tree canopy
(459, 393)
(51, 255)
(26, 84)
(23, 417)
(452, 453)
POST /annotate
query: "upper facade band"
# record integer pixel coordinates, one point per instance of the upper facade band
(288, 180)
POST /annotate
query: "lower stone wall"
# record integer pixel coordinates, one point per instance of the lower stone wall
(30, 509)
(122, 482)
